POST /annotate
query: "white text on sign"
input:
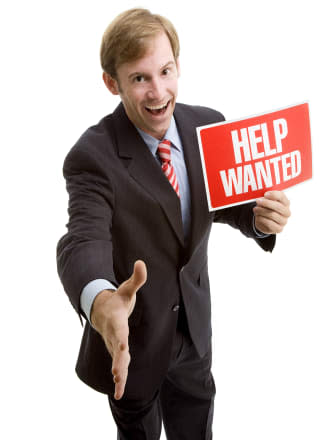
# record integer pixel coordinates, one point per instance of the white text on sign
(253, 144)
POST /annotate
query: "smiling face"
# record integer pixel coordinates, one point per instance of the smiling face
(148, 87)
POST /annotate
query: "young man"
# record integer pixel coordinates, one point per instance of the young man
(134, 260)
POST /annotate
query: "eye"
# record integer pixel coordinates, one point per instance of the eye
(139, 78)
(166, 71)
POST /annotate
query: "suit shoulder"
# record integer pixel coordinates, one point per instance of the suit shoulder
(201, 115)
(94, 141)
(95, 136)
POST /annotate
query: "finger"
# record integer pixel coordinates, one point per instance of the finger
(268, 226)
(120, 365)
(270, 215)
(120, 383)
(121, 360)
(274, 205)
(120, 370)
(120, 388)
(138, 278)
(116, 334)
(277, 196)
(121, 355)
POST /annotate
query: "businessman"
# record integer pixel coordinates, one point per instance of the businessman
(134, 259)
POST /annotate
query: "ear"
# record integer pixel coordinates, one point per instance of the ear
(178, 68)
(110, 83)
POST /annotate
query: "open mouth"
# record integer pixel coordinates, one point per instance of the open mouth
(157, 109)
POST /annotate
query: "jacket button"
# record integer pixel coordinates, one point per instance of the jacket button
(175, 308)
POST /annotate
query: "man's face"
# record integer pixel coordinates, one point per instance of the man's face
(148, 87)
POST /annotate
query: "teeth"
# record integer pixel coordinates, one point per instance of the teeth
(157, 107)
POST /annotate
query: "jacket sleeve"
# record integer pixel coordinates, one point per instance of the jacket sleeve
(85, 252)
(241, 217)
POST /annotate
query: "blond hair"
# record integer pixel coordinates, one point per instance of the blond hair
(126, 38)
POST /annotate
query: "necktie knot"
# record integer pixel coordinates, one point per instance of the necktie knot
(164, 152)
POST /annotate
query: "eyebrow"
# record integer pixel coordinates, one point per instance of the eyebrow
(170, 63)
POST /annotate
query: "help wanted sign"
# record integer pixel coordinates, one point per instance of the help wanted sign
(245, 158)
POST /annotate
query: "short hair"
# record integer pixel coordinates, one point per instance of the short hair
(126, 38)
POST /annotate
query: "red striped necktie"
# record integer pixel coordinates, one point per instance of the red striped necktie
(164, 152)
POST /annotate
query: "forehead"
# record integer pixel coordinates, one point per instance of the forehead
(158, 53)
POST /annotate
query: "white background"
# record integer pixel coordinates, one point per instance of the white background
(270, 311)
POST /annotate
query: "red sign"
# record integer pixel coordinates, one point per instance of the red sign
(244, 159)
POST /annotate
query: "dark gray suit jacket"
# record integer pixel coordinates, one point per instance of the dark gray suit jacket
(122, 208)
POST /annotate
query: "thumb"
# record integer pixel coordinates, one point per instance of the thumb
(137, 279)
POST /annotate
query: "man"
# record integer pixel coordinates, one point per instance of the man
(139, 222)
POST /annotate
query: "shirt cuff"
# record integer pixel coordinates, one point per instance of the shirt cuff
(90, 292)
(258, 234)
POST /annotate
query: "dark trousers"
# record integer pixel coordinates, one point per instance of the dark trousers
(184, 402)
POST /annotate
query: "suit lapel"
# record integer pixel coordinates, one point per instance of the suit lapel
(199, 206)
(143, 168)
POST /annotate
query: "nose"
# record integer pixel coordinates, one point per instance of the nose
(156, 89)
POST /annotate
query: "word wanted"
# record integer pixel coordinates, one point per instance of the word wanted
(253, 143)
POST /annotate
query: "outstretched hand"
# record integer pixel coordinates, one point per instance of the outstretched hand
(110, 312)
(272, 212)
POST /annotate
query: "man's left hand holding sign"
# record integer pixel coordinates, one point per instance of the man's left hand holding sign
(272, 212)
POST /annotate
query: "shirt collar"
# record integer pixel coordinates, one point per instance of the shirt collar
(171, 134)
